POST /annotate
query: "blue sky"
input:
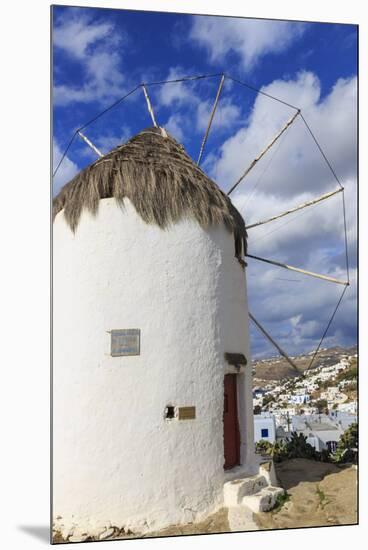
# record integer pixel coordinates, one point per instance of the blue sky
(100, 54)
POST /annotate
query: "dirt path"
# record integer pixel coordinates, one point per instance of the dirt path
(320, 494)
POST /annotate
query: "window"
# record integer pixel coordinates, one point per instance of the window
(264, 432)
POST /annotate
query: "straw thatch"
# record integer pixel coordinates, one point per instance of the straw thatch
(161, 181)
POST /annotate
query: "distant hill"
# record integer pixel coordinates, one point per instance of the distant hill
(277, 368)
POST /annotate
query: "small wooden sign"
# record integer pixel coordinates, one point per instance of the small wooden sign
(186, 413)
(125, 342)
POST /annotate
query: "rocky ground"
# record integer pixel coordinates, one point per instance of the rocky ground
(320, 494)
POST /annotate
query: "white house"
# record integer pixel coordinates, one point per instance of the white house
(264, 427)
(350, 407)
(300, 399)
(322, 431)
(152, 388)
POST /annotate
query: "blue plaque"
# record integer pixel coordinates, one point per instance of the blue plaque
(125, 342)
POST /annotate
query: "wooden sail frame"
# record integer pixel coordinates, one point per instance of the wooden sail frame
(90, 144)
(254, 162)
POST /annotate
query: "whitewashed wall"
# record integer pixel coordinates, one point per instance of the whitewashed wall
(116, 460)
(264, 422)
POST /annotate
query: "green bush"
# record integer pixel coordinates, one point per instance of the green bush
(296, 447)
(347, 447)
(267, 400)
(322, 405)
(279, 451)
(324, 456)
(263, 446)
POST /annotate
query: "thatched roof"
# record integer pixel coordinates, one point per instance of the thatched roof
(161, 181)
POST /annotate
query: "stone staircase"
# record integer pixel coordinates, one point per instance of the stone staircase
(246, 495)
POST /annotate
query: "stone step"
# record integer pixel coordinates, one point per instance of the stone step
(237, 489)
(264, 500)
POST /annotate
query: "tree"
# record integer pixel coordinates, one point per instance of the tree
(322, 406)
(349, 439)
(267, 399)
(347, 447)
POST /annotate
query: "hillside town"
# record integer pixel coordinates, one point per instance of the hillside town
(320, 404)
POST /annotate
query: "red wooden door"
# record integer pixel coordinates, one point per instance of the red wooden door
(231, 426)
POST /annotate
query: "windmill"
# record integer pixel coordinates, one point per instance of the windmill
(270, 145)
(144, 238)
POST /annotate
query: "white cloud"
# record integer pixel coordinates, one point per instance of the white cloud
(67, 170)
(190, 112)
(295, 157)
(251, 39)
(227, 114)
(176, 93)
(93, 45)
(175, 126)
(77, 35)
(296, 308)
(106, 143)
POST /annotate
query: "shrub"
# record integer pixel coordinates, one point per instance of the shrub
(279, 451)
(324, 456)
(263, 446)
(322, 405)
(280, 501)
(347, 447)
(267, 399)
(297, 447)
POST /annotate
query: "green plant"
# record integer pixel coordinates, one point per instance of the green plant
(267, 399)
(280, 501)
(263, 446)
(347, 446)
(297, 447)
(279, 451)
(323, 500)
(322, 405)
